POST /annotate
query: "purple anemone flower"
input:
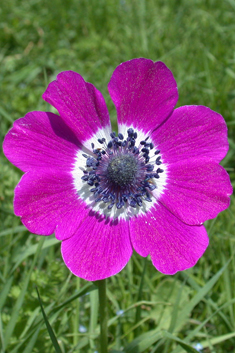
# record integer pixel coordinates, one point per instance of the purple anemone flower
(149, 187)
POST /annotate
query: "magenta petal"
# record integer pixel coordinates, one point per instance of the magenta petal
(143, 92)
(191, 132)
(79, 103)
(197, 190)
(49, 202)
(172, 245)
(41, 141)
(100, 248)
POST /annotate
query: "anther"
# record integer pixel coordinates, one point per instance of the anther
(146, 150)
(110, 206)
(149, 167)
(130, 132)
(120, 204)
(158, 162)
(147, 159)
(89, 162)
(151, 186)
(135, 150)
(133, 203)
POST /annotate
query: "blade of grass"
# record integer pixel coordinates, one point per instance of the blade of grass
(31, 343)
(6, 115)
(228, 288)
(186, 346)
(49, 328)
(28, 325)
(217, 340)
(194, 332)
(174, 315)
(13, 320)
(143, 342)
(76, 316)
(87, 288)
(94, 310)
(2, 335)
(139, 297)
(199, 296)
(13, 230)
(22, 342)
(32, 250)
(209, 301)
(5, 291)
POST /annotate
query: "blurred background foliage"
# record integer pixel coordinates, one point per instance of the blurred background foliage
(38, 39)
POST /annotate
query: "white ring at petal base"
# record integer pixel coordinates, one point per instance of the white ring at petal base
(83, 189)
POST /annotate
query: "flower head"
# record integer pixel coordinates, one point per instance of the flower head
(148, 187)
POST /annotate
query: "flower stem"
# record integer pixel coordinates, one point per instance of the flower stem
(103, 315)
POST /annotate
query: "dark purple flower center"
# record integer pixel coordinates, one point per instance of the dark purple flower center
(122, 173)
(122, 170)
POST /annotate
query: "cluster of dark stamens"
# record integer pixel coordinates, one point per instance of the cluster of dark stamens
(120, 172)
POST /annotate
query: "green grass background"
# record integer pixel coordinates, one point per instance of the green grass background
(38, 39)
